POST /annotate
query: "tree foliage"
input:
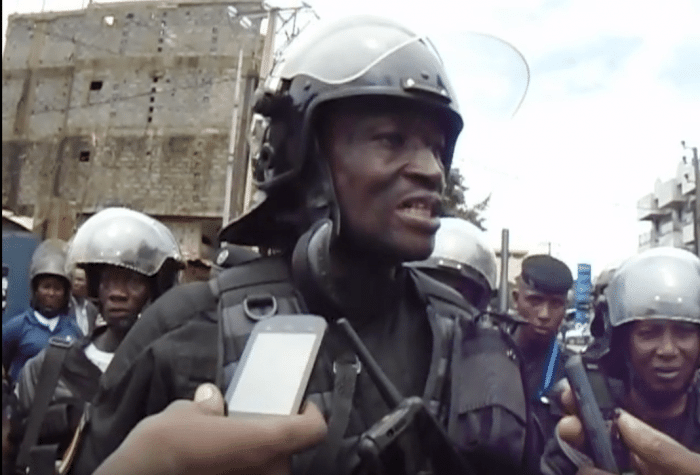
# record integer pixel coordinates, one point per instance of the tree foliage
(454, 204)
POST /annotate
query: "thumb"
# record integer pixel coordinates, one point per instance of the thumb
(209, 399)
(306, 429)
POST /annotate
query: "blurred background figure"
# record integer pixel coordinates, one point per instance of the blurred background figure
(463, 260)
(26, 334)
(85, 311)
(540, 297)
(129, 260)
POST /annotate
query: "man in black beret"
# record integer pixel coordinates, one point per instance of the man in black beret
(540, 298)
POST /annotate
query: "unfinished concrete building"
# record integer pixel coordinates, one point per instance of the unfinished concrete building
(141, 104)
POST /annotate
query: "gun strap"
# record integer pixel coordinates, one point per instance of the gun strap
(346, 369)
(48, 379)
(549, 369)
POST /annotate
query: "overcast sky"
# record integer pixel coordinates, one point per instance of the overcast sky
(614, 88)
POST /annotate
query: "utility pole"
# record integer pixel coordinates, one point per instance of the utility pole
(696, 211)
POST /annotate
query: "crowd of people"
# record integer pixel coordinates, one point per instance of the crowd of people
(117, 369)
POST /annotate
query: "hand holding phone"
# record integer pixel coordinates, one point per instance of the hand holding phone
(274, 369)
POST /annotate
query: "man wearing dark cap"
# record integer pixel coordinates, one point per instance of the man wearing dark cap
(540, 299)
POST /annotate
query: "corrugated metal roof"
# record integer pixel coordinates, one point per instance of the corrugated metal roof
(27, 222)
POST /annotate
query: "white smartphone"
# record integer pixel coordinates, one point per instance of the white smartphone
(274, 369)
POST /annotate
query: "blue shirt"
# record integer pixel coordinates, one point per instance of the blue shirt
(23, 336)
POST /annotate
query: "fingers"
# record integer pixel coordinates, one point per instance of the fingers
(567, 399)
(571, 430)
(209, 399)
(654, 451)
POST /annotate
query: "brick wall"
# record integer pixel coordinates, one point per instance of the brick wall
(127, 104)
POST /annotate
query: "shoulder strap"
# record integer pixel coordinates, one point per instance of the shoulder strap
(445, 308)
(345, 369)
(46, 385)
(246, 294)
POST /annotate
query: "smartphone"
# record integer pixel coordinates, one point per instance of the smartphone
(274, 369)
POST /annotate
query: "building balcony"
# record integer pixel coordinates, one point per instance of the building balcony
(672, 239)
(686, 177)
(668, 194)
(648, 208)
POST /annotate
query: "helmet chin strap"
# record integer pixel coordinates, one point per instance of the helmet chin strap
(321, 199)
(311, 266)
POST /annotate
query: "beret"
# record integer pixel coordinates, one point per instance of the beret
(546, 274)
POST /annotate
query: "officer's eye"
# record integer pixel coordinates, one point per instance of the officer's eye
(535, 300)
(556, 303)
(391, 139)
(685, 329)
(649, 332)
(439, 150)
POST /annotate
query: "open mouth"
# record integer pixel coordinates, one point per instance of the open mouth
(667, 373)
(421, 207)
(118, 312)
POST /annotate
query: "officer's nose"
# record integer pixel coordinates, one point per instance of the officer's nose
(544, 312)
(116, 290)
(667, 346)
(426, 167)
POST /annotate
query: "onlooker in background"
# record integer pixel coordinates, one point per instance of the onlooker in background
(26, 334)
(85, 311)
(651, 366)
(129, 259)
(540, 299)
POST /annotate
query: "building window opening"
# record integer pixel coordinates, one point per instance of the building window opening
(108, 20)
(84, 156)
(95, 85)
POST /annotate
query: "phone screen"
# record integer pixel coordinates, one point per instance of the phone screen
(273, 373)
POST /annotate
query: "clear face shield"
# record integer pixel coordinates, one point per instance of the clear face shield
(490, 76)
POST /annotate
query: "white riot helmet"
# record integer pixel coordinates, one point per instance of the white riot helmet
(461, 249)
(661, 283)
(126, 238)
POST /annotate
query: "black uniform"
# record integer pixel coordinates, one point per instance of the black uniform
(178, 344)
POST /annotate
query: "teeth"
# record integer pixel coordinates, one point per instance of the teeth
(418, 210)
